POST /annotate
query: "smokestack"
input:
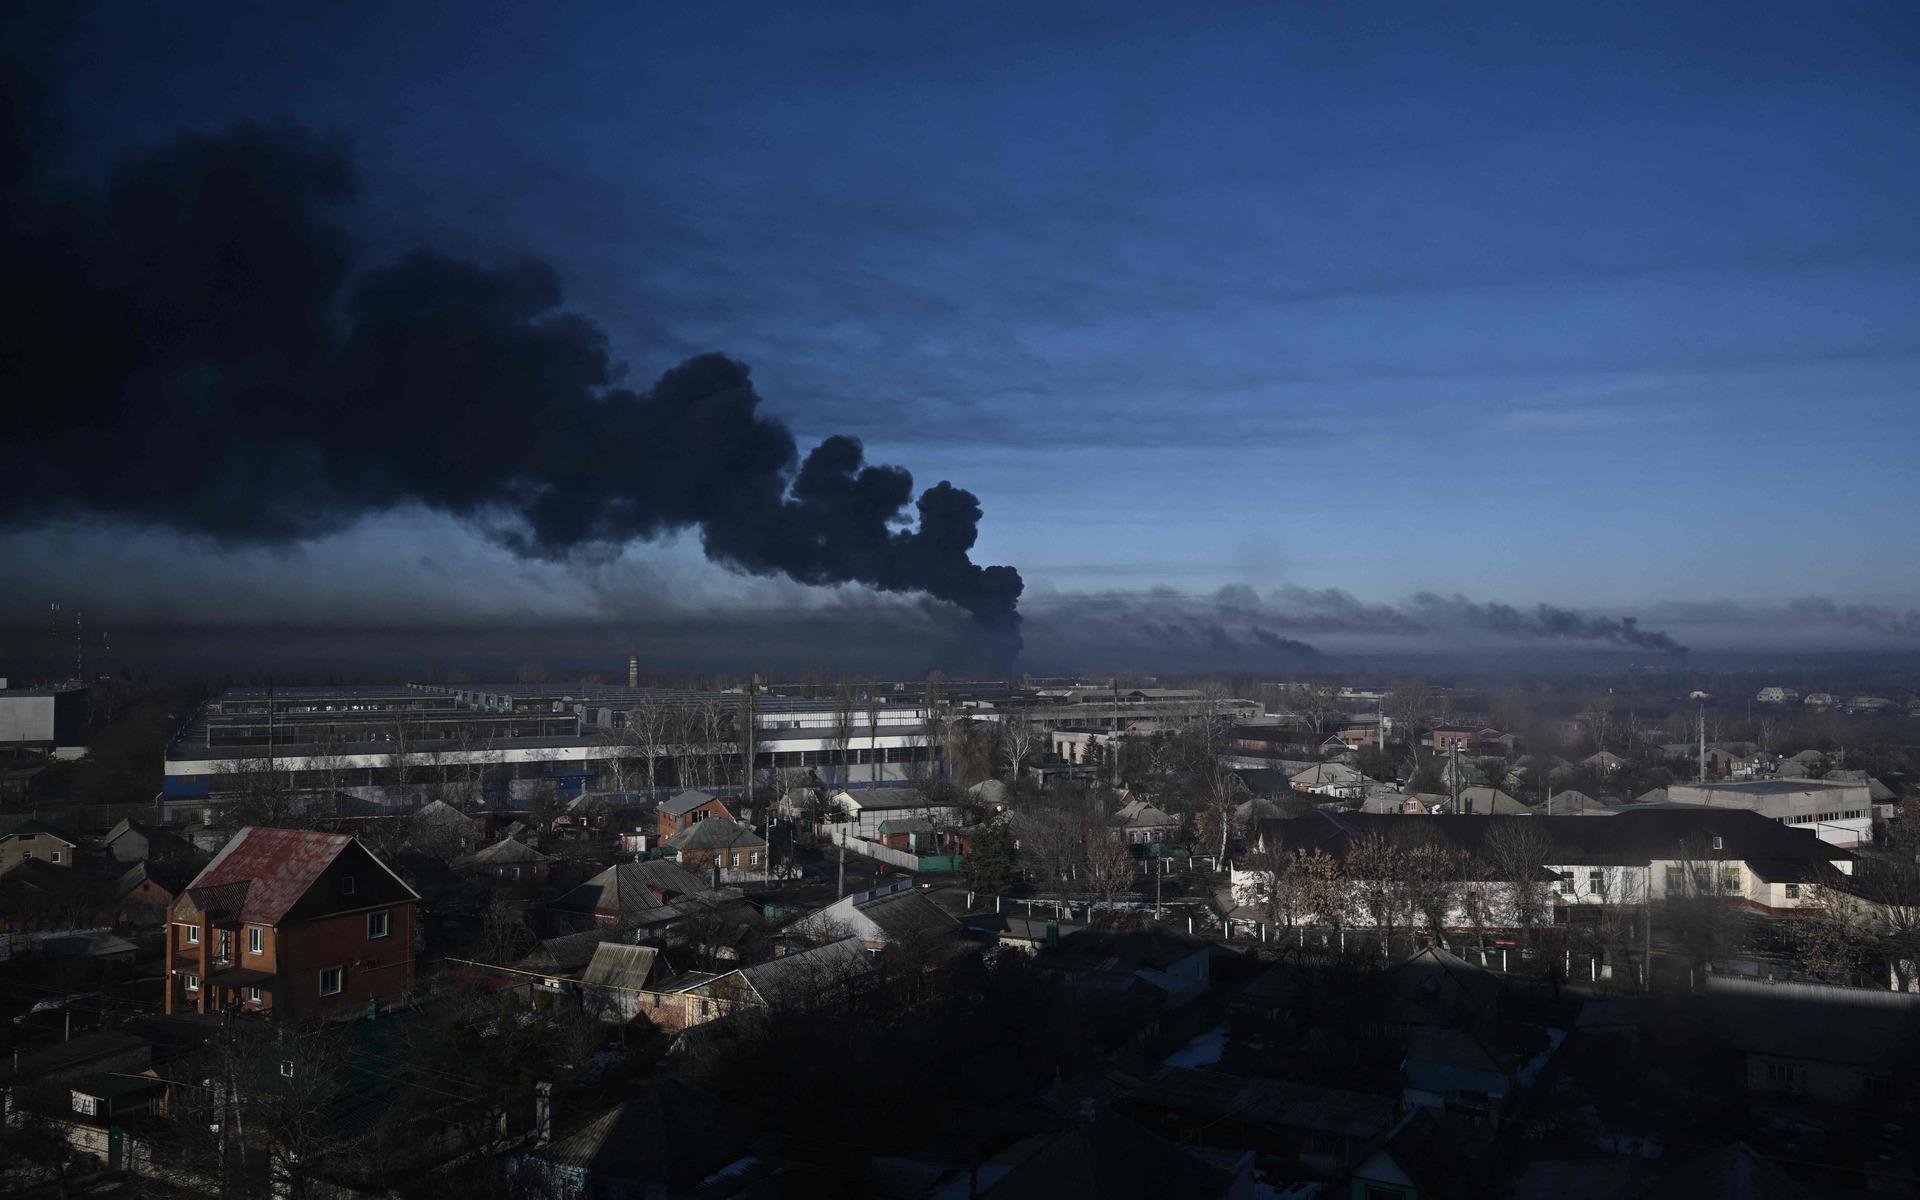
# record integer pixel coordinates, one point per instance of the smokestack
(633, 670)
(543, 1111)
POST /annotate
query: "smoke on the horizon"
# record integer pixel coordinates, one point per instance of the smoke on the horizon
(195, 347)
(1236, 622)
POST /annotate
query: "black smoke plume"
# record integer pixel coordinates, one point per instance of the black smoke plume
(1540, 621)
(194, 346)
(1239, 625)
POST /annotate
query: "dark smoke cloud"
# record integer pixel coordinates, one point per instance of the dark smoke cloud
(1869, 617)
(194, 346)
(1160, 626)
(1540, 621)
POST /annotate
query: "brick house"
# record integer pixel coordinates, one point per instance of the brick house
(710, 844)
(291, 922)
(688, 809)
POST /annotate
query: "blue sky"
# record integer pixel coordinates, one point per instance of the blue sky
(1601, 307)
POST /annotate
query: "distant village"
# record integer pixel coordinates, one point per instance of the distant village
(941, 938)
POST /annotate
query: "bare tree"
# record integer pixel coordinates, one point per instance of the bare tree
(1111, 870)
(1433, 871)
(1316, 702)
(1517, 854)
(845, 707)
(1408, 704)
(1020, 738)
(1376, 869)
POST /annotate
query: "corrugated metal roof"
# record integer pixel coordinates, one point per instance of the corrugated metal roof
(263, 871)
(618, 965)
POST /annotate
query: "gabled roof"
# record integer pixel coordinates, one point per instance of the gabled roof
(618, 965)
(1107, 1156)
(686, 802)
(671, 1135)
(566, 954)
(875, 798)
(36, 827)
(263, 871)
(172, 878)
(633, 890)
(794, 977)
(716, 834)
(505, 852)
(1140, 814)
(893, 825)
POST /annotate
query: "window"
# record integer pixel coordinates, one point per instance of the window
(1793, 891)
(1781, 1074)
(333, 980)
(226, 942)
(513, 872)
(192, 935)
(1596, 881)
(1730, 880)
(256, 940)
(736, 859)
(1716, 842)
(1676, 880)
(85, 1105)
(377, 923)
(347, 885)
(286, 1068)
(253, 995)
(754, 858)
(54, 857)
(1566, 883)
(193, 983)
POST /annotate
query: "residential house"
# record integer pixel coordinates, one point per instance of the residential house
(1485, 800)
(892, 914)
(440, 829)
(136, 841)
(145, 891)
(1813, 1043)
(823, 976)
(1776, 695)
(291, 923)
(1144, 825)
(1840, 811)
(509, 860)
(664, 1143)
(37, 839)
(1420, 1158)
(1640, 855)
(1331, 779)
(1176, 969)
(719, 844)
(1025, 934)
(1465, 738)
(644, 895)
(616, 978)
(688, 809)
(1321, 1128)
(865, 808)
(1603, 763)
(37, 894)
(1453, 1070)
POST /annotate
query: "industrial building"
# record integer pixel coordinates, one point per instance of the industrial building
(393, 748)
(1838, 811)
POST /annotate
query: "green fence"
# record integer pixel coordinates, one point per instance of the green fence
(941, 862)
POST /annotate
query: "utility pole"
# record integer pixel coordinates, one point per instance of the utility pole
(840, 888)
(1703, 741)
(1453, 760)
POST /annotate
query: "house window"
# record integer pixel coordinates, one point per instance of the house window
(1596, 881)
(54, 857)
(85, 1105)
(253, 995)
(226, 942)
(347, 885)
(736, 860)
(1566, 883)
(192, 934)
(1717, 843)
(333, 980)
(1730, 880)
(1781, 1074)
(1793, 891)
(377, 923)
(754, 859)
(286, 1068)
(256, 940)
(193, 983)
(1676, 880)
(513, 872)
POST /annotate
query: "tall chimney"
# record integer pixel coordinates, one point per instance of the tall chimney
(543, 1111)
(633, 670)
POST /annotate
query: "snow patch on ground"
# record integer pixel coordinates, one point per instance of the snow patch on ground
(1531, 1071)
(1203, 1051)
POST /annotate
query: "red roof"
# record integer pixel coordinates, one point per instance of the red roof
(262, 872)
